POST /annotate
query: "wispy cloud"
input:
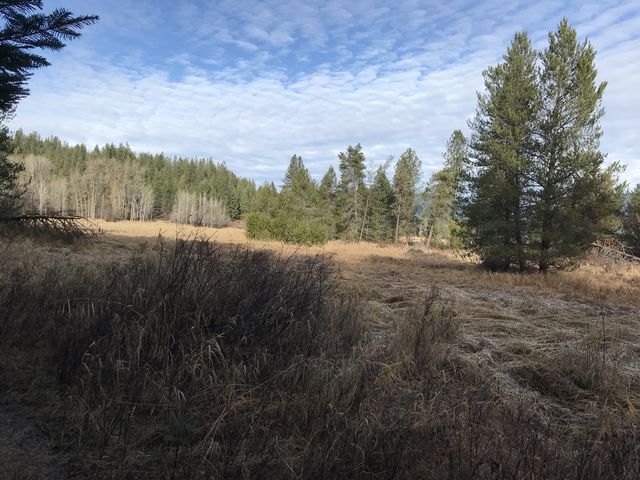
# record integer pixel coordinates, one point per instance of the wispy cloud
(252, 82)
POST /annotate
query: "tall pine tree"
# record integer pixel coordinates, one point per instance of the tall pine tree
(351, 191)
(380, 219)
(576, 196)
(444, 187)
(539, 191)
(327, 200)
(498, 208)
(299, 192)
(405, 185)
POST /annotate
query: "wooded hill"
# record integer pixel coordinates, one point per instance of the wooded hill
(114, 183)
(529, 187)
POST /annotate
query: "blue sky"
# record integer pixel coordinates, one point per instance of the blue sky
(252, 82)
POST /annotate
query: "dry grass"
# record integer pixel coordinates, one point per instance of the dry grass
(200, 360)
(591, 282)
(595, 282)
(345, 252)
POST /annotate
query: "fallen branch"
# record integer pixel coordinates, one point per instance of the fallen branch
(66, 226)
(607, 251)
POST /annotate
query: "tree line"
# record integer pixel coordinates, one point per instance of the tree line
(114, 183)
(529, 187)
(359, 202)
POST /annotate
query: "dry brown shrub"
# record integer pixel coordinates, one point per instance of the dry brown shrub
(199, 360)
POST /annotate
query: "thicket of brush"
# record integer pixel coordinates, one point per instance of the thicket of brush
(261, 226)
(194, 360)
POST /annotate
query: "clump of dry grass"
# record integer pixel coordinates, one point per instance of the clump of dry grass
(611, 285)
(588, 370)
(425, 332)
(198, 360)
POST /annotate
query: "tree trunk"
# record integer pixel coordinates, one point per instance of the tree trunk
(545, 244)
(430, 235)
(521, 260)
(364, 217)
(544, 254)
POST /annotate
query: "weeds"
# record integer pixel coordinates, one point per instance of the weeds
(196, 360)
(424, 333)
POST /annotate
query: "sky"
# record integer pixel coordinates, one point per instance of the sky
(252, 82)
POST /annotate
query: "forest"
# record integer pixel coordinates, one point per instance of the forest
(529, 187)
(114, 183)
(460, 206)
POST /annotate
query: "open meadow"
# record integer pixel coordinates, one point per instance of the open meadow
(139, 356)
(319, 240)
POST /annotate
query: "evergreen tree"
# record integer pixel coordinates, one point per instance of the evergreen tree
(295, 169)
(351, 191)
(164, 188)
(266, 200)
(10, 192)
(234, 209)
(381, 216)
(444, 187)
(246, 190)
(405, 185)
(576, 198)
(329, 184)
(299, 192)
(25, 29)
(631, 221)
(327, 200)
(22, 32)
(498, 206)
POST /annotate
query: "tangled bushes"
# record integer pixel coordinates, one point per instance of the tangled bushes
(197, 360)
(263, 227)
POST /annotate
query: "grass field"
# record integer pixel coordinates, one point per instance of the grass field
(417, 268)
(375, 362)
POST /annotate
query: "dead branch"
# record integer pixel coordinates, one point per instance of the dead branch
(67, 226)
(614, 253)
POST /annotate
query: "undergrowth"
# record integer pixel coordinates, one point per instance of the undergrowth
(194, 360)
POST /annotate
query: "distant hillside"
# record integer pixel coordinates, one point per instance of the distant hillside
(113, 182)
